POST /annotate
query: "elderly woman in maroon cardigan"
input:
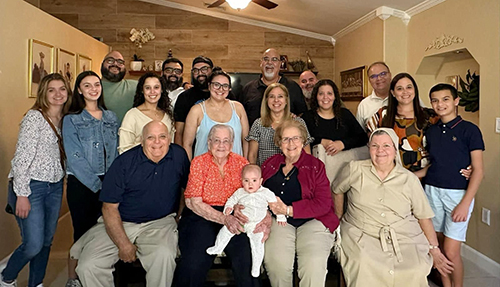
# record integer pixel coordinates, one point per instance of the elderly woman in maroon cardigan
(301, 185)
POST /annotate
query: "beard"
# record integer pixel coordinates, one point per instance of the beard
(307, 94)
(173, 82)
(201, 82)
(106, 74)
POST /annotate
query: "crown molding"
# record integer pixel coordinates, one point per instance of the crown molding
(356, 24)
(422, 7)
(242, 20)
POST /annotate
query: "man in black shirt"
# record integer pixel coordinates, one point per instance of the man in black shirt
(201, 71)
(251, 96)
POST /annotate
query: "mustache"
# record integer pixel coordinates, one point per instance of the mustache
(173, 76)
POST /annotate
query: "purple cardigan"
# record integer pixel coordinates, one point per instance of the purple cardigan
(316, 199)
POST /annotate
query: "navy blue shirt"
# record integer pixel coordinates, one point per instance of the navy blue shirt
(449, 146)
(146, 190)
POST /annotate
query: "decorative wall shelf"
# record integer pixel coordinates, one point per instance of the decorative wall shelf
(140, 73)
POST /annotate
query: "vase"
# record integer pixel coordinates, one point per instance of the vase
(136, 65)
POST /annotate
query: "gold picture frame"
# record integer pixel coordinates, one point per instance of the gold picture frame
(40, 64)
(353, 84)
(66, 65)
(83, 63)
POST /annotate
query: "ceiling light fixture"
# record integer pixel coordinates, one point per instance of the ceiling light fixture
(238, 4)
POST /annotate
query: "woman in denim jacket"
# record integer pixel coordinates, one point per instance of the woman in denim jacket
(90, 141)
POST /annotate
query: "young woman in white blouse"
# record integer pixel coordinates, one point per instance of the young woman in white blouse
(36, 186)
(151, 102)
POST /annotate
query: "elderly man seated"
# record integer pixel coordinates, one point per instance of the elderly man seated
(140, 196)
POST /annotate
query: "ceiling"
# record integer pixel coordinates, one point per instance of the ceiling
(325, 17)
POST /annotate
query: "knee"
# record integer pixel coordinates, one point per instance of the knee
(166, 252)
(452, 252)
(85, 267)
(32, 248)
(276, 265)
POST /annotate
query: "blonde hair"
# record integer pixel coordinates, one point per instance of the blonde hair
(265, 111)
(278, 135)
(41, 102)
(250, 167)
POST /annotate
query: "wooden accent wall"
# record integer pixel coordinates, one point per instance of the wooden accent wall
(234, 46)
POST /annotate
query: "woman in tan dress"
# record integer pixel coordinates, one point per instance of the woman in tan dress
(387, 234)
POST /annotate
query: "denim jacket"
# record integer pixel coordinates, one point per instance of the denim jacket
(86, 141)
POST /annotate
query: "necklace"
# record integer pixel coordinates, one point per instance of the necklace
(287, 177)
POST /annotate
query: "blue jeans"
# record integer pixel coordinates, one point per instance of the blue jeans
(37, 230)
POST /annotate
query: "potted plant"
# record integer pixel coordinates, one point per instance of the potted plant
(469, 96)
(136, 63)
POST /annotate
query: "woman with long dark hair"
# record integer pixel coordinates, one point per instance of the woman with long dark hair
(151, 102)
(36, 180)
(90, 142)
(408, 119)
(331, 125)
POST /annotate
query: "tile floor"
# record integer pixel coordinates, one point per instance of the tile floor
(57, 269)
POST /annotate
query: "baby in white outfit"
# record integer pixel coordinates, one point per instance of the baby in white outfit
(255, 198)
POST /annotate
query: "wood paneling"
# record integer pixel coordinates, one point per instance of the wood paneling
(191, 22)
(234, 46)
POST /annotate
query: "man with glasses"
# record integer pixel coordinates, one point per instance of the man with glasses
(251, 96)
(380, 79)
(118, 93)
(201, 70)
(172, 71)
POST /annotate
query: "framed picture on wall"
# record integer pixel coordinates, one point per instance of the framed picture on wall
(84, 63)
(66, 65)
(353, 84)
(41, 63)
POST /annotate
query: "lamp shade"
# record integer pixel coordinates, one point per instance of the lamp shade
(238, 4)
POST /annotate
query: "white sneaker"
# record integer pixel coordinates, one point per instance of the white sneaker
(73, 283)
(39, 285)
(5, 284)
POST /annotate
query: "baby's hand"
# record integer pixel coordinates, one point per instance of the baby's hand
(282, 223)
(228, 211)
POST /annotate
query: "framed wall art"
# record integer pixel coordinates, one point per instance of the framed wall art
(84, 63)
(41, 63)
(353, 84)
(66, 65)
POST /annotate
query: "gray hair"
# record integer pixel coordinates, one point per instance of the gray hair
(220, 127)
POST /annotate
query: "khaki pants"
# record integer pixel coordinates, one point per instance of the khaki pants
(156, 243)
(312, 242)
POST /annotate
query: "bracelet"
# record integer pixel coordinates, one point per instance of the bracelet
(433, 246)
(287, 211)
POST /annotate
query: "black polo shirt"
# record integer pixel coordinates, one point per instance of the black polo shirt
(186, 100)
(253, 92)
(449, 146)
(146, 190)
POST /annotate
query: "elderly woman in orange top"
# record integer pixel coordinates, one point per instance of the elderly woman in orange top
(213, 178)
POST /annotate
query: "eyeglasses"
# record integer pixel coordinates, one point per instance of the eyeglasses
(295, 140)
(202, 70)
(273, 59)
(111, 61)
(173, 71)
(384, 146)
(380, 75)
(217, 86)
(217, 142)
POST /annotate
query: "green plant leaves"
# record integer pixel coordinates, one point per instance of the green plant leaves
(469, 96)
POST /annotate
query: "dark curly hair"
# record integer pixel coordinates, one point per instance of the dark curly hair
(78, 102)
(163, 103)
(337, 103)
(421, 117)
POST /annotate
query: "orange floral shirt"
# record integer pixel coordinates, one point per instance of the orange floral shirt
(205, 180)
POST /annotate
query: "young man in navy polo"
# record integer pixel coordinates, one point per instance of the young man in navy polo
(453, 144)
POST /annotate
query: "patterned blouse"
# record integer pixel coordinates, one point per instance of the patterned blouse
(37, 154)
(264, 136)
(412, 140)
(205, 180)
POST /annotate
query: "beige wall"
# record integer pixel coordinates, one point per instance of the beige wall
(361, 47)
(478, 23)
(20, 22)
(233, 46)
(403, 47)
